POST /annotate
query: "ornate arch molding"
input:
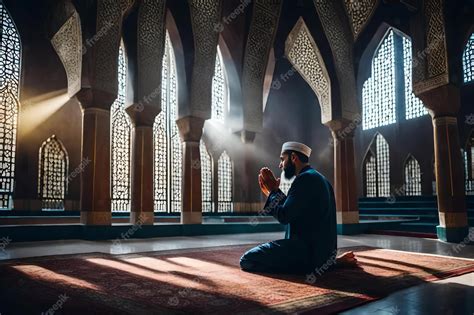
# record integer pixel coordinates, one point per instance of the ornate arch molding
(205, 15)
(302, 51)
(360, 13)
(338, 33)
(67, 42)
(433, 70)
(263, 28)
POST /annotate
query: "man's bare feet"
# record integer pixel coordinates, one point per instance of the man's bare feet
(346, 260)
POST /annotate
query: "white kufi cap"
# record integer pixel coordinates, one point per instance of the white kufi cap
(296, 146)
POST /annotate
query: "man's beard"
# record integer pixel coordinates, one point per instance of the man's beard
(290, 170)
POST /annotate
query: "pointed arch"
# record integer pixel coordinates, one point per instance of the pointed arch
(52, 176)
(376, 167)
(468, 60)
(225, 183)
(120, 143)
(380, 94)
(10, 76)
(412, 176)
(468, 159)
(206, 178)
(370, 175)
(302, 51)
(167, 144)
(219, 90)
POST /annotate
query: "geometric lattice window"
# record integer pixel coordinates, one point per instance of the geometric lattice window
(468, 60)
(414, 106)
(219, 90)
(468, 159)
(224, 167)
(377, 168)
(10, 60)
(120, 143)
(378, 93)
(412, 177)
(370, 171)
(285, 184)
(167, 144)
(383, 167)
(52, 177)
(206, 179)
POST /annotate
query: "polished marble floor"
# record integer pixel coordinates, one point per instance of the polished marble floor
(450, 296)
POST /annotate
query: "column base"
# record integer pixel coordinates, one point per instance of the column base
(347, 217)
(349, 229)
(142, 218)
(191, 217)
(96, 217)
(453, 234)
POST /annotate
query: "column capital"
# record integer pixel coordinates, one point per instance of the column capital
(142, 115)
(190, 128)
(344, 128)
(442, 101)
(92, 98)
(247, 136)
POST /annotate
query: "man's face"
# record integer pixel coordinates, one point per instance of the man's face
(288, 167)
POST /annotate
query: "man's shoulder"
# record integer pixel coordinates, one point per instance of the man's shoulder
(310, 175)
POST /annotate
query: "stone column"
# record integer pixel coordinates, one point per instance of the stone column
(95, 178)
(190, 129)
(443, 103)
(142, 205)
(345, 184)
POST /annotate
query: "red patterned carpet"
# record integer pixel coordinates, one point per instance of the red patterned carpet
(205, 281)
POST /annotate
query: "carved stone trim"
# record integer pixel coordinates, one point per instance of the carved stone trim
(263, 27)
(67, 43)
(302, 51)
(359, 12)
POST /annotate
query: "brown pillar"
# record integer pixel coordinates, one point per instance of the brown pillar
(190, 129)
(345, 184)
(95, 179)
(443, 103)
(142, 205)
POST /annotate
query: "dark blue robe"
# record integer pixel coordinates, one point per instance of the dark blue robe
(309, 211)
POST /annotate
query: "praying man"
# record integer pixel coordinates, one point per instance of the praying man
(309, 213)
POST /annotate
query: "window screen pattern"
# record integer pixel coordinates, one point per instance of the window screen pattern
(10, 61)
(224, 166)
(167, 144)
(468, 160)
(219, 93)
(412, 177)
(370, 176)
(206, 179)
(378, 93)
(383, 166)
(52, 177)
(120, 143)
(414, 106)
(468, 60)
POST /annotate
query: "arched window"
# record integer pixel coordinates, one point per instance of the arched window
(412, 177)
(377, 168)
(224, 167)
(206, 179)
(468, 159)
(10, 66)
(380, 95)
(52, 177)
(219, 90)
(370, 172)
(468, 60)
(167, 147)
(285, 184)
(120, 142)
(413, 105)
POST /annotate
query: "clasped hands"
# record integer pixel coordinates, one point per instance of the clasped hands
(267, 181)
